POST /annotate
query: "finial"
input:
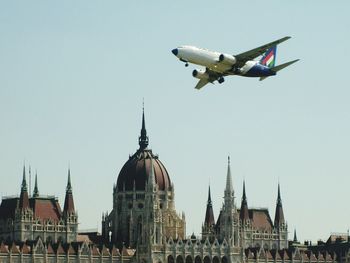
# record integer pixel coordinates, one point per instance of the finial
(24, 182)
(244, 195)
(229, 187)
(143, 139)
(295, 239)
(209, 196)
(36, 190)
(279, 200)
(69, 185)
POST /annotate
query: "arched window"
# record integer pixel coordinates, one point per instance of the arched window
(171, 259)
(197, 259)
(216, 259)
(206, 259)
(224, 259)
(189, 259)
(179, 259)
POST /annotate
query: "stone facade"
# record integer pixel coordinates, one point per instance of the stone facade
(144, 226)
(29, 218)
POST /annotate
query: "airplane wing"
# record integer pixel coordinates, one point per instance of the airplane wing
(201, 83)
(254, 53)
(212, 77)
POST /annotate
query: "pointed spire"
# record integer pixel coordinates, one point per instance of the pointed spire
(209, 214)
(69, 185)
(24, 199)
(295, 239)
(143, 139)
(68, 201)
(209, 197)
(244, 213)
(24, 181)
(36, 190)
(229, 188)
(279, 215)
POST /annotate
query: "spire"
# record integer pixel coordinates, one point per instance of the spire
(69, 185)
(68, 201)
(36, 190)
(24, 181)
(279, 216)
(143, 139)
(24, 199)
(229, 188)
(295, 239)
(209, 214)
(244, 213)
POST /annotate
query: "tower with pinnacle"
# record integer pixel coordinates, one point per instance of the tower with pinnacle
(31, 217)
(143, 215)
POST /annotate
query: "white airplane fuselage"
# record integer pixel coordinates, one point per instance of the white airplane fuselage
(202, 57)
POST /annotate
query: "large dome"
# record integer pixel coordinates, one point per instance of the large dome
(138, 168)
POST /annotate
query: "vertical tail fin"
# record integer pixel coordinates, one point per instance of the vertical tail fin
(269, 57)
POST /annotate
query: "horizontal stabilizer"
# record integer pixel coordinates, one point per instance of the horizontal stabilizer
(282, 66)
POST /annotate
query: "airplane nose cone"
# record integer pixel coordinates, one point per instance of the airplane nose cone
(175, 51)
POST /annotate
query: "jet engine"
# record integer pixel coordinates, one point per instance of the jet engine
(200, 74)
(227, 59)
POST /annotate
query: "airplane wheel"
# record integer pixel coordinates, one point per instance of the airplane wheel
(221, 80)
(186, 65)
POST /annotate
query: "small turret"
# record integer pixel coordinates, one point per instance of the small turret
(244, 213)
(209, 220)
(68, 201)
(36, 189)
(229, 187)
(279, 216)
(24, 199)
(143, 139)
(295, 239)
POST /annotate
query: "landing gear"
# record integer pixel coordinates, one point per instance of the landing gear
(186, 64)
(221, 80)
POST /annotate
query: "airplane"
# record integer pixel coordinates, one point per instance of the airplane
(219, 65)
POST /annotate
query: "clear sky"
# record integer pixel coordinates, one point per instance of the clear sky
(73, 75)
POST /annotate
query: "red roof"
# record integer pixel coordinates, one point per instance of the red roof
(261, 219)
(46, 208)
(3, 248)
(26, 249)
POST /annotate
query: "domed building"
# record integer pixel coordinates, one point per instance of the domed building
(143, 202)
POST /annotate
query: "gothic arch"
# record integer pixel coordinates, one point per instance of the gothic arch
(206, 259)
(216, 259)
(189, 259)
(197, 259)
(171, 259)
(179, 259)
(224, 259)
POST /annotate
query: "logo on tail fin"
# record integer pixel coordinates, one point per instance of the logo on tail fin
(269, 58)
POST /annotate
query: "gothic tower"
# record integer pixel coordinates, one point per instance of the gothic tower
(69, 214)
(228, 221)
(208, 227)
(279, 224)
(143, 214)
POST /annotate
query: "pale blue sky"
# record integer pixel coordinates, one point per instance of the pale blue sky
(74, 73)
